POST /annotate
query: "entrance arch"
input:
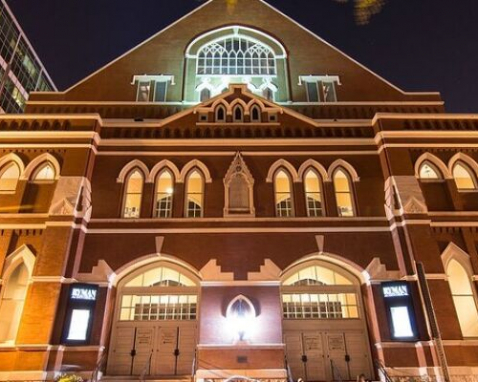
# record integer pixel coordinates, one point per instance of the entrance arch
(324, 322)
(155, 321)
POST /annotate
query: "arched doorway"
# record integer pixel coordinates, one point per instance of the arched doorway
(155, 322)
(324, 323)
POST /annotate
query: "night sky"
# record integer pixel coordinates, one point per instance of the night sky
(419, 45)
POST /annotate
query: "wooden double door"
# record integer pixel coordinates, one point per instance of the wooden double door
(327, 355)
(153, 348)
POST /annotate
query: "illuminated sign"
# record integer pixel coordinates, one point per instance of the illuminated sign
(395, 290)
(84, 293)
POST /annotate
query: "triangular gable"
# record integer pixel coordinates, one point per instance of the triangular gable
(164, 53)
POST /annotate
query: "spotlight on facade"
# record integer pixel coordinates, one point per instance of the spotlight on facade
(241, 316)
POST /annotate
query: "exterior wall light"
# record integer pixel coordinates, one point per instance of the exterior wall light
(240, 315)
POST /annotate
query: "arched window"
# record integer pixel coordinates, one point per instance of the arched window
(255, 114)
(464, 178)
(236, 55)
(463, 297)
(317, 275)
(268, 94)
(44, 172)
(429, 171)
(205, 94)
(238, 114)
(283, 194)
(164, 195)
(343, 194)
(220, 114)
(133, 194)
(313, 195)
(11, 304)
(9, 176)
(194, 195)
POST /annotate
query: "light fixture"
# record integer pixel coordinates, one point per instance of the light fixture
(240, 316)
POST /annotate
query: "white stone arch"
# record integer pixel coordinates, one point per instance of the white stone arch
(470, 162)
(454, 252)
(37, 162)
(287, 166)
(21, 254)
(135, 163)
(435, 161)
(335, 261)
(240, 297)
(255, 102)
(311, 163)
(340, 163)
(132, 268)
(195, 163)
(236, 102)
(12, 158)
(160, 166)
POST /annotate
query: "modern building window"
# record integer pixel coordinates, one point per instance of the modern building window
(220, 114)
(313, 195)
(464, 177)
(283, 194)
(205, 94)
(429, 171)
(237, 55)
(194, 195)
(164, 195)
(133, 195)
(9, 176)
(238, 114)
(343, 194)
(255, 114)
(45, 172)
(13, 295)
(463, 297)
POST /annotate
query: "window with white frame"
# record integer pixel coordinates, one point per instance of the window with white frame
(164, 195)
(9, 176)
(45, 171)
(313, 195)
(429, 171)
(194, 195)
(152, 88)
(343, 193)
(320, 88)
(283, 194)
(236, 55)
(133, 195)
(464, 177)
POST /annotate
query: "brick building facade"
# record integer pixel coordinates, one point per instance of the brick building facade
(236, 199)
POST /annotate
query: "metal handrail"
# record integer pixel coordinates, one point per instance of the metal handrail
(146, 368)
(381, 368)
(193, 369)
(335, 370)
(95, 375)
(288, 370)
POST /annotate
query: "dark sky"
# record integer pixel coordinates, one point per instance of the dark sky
(419, 45)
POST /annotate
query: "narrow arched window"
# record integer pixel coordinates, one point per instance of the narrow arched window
(133, 195)
(194, 195)
(9, 176)
(205, 94)
(313, 195)
(343, 194)
(255, 114)
(220, 114)
(45, 172)
(463, 297)
(238, 114)
(12, 302)
(268, 94)
(429, 171)
(164, 195)
(283, 194)
(464, 177)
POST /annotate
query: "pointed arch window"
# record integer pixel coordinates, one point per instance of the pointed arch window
(11, 304)
(195, 195)
(463, 298)
(9, 176)
(283, 194)
(220, 114)
(268, 94)
(238, 114)
(164, 195)
(429, 171)
(133, 194)
(343, 193)
(255, 114)
(45, 172)
(464, 177)
(313, 194)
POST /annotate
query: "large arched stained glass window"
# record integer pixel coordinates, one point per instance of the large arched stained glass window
(236, 55)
